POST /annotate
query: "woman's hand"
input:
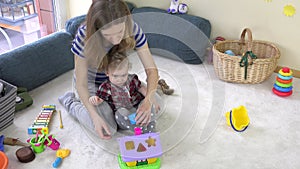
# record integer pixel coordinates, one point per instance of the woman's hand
(101, 127)
(143, 114)
(156, 106)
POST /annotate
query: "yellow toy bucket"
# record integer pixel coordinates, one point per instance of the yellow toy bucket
(238, 118)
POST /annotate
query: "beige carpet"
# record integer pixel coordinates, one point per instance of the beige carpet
(193, 128)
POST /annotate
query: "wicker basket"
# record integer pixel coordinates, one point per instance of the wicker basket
(228, 68)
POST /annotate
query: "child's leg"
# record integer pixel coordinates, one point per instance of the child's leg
(122, 119)
(151, 126)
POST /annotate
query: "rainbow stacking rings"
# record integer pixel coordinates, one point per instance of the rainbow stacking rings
(283, 85)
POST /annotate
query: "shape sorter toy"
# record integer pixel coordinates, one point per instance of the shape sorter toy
(42, 121)
(140, 151)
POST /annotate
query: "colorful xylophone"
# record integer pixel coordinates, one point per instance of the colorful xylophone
(41, 123)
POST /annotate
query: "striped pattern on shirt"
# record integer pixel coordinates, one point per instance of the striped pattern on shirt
(78, 42)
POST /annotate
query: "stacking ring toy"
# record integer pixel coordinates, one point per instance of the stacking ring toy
(283, 85)
(282, 94)
(283, 89)
(285, 74)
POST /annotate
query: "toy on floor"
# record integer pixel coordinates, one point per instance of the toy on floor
(3, 160)
(41, 123)
(1, 143)
(14, 141)
(177, 7)
(60, 120)
(140, 151)
(51, 142)
(23, 99)
(25, 154)
(238, 118)
(283, 85)
(40, 142)
(60, 154)
(37, 143)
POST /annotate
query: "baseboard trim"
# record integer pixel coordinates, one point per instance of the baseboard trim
(296, 73)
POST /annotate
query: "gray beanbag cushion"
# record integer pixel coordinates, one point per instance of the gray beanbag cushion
(36, 63)
(178, 36)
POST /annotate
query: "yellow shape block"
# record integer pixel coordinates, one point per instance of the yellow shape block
(131, 164)
(151, 160)
(129, 145)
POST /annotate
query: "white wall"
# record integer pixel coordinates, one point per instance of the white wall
(229, 17)
(78, 7)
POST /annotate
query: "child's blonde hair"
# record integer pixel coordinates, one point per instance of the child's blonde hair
(116, 61)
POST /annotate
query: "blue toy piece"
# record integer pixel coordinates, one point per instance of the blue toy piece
(229, 52)
(283, 89)
(284, 77)
(57, 162)
(1, 143)
(132, 118)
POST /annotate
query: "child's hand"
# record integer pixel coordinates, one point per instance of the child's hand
(95, 100)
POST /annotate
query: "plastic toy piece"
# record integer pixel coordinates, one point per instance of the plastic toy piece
(282, 94)
(60, 154)
(229, 52)
(3, 160)
(23, 99)
(13, 141)
(145, 155)
(2, 90)
(284, 81)
(137, 131)
(238, 118)
(51, 142)
(1, 143)
(283, 85)
(37, 144)
(131, 118)
(60, 120)
(155, 164)
(41, 123)
(25, 154)
(182, 8)
(282, 89)
(285, 72)
(173, 7)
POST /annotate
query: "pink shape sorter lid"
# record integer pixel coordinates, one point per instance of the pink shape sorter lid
(140, 147)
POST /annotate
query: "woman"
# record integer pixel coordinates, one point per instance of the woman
(108, 25)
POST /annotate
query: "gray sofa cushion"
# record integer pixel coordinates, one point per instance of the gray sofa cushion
(73, 23)
(178, 36)
(36, 63)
